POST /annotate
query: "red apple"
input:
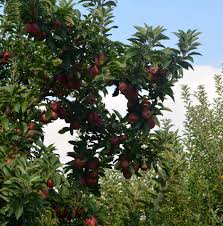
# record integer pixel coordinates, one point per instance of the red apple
(91, 181)
(18, 130)
(62, 113)
(123, 138)
(100, 59)
(132, 94)
(130, 105)
(75, 125)
(83, 181)
(94, 118)
(92, 174)
(74, 84)
(93, 163)
(133, 118)
(44, 193)
(144, 167)
(8, 111)
(69, 82)
(31, 126)
(146, 114)
(53, 115)
(44, 119)
(50, 183)
(9, 161)
(124, 164)
(146, 104)
(55, 106)
(57, 24)
(123, 87)
(91, 221)
(32, 28)
(94, 70)
(126, 173)
(6, 55)
(91, 98)
(114, 140)
(79, 163)
(61, 78)
(135, 167)
(151, 123)
(61, 213)
(152, 70)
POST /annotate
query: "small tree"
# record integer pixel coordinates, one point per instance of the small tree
(55, 62)
(194, 193)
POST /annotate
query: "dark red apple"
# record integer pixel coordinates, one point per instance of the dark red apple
(124, 164)
(91, 181)
(53, 115)
(31, 126)
(146, 104)
(75, 125)
(93, 163)
(146, 114)
(151, 123)
(123, 138)
(44, 193)
(79, 163)
(133, 118)
(94, 118)
(50, 183)
(57, 24)
(123, 87)
(132, 94)
(94, 70)
(74, 84)
(55, 106)
(91, 98)
(126, 173)
(44, 119)
(92, 174)
(62, 113)
(6, 55)
(83, 181)
(114, 140)
(33, 28)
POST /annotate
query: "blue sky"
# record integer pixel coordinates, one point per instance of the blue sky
(204, 15)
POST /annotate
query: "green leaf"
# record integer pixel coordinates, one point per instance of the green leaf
(5, 123)
(18, 211)
(17, 107)
(24, 106)
(118, 114)
(64, 130)
(6, 172)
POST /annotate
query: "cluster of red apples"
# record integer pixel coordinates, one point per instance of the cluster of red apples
(4, 57)
(145, 112)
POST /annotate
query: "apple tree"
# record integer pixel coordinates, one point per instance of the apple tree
(57, 61)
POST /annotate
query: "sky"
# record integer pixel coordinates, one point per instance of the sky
(204, 15)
